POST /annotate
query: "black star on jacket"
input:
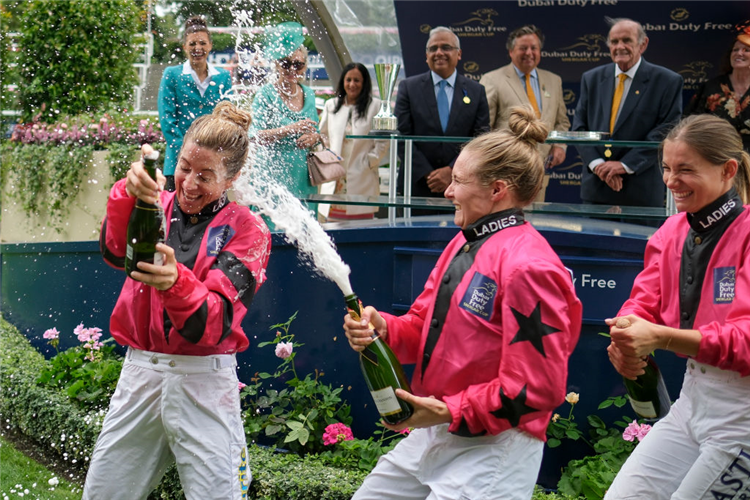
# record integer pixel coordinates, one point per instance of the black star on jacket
(532, 329)
(460, 330)
(513, 409)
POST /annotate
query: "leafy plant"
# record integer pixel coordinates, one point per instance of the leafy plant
(294, 417)
(45, 179)
(99, 130)
(88, 373)
(611, 446)
(4, 39)
(362, 453)
(50, 160)
(76, 56)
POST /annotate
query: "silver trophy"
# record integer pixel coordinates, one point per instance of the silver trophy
(385, 121)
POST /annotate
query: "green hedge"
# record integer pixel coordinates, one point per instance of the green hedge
(48, 418)
(76, 56)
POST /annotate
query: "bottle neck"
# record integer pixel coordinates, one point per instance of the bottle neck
(352, 303)
(150, 167)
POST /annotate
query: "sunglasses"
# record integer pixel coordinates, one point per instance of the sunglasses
(288, 64)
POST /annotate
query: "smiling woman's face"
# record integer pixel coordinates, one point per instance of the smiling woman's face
(293, 67)
(196, 47)
(200, 178)
(693, 181)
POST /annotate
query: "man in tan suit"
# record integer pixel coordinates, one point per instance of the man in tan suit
(512, 85)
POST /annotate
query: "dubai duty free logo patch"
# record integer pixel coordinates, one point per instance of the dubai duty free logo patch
(217, 238)
(724, 284)
(479, 298)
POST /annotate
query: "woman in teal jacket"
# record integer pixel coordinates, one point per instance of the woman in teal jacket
(188, 91)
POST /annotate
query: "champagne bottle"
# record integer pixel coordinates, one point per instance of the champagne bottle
(383, 373)
(146, 227)
(647, 393)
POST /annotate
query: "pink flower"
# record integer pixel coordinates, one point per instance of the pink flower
(240, 385)
(405, 431)
(634, 430)
(82, 333)
(284, 349)
(336, 433)
(643, 431)
(51, 334)
(95, 334)
(631, 431)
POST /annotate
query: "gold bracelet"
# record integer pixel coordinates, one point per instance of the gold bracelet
(666, 348)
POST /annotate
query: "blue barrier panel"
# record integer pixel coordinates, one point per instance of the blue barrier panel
(45, 285)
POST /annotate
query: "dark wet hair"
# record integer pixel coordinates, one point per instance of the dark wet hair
(365, 96)
(195, 24)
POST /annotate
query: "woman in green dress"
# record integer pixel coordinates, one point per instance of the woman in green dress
(285, 120)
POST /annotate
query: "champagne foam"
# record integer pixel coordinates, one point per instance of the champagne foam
(271, 198)
(265, 188)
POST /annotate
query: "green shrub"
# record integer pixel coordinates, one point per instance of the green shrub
(295, 417)
(4, 52)
(76, 56)
(45, 178)
(47, 416)
(44, 166)
(88, 373)
(43, 415)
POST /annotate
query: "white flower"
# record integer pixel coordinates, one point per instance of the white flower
(54, 481)
(572, 398)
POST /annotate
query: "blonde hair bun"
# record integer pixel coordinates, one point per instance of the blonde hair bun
(524, 124)
(225, 110)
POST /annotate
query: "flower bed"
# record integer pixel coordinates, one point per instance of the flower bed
(47, 416)
(55, 174)
(60, 404)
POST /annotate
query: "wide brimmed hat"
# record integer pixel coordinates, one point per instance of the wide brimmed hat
(743, 32)
(283, 40)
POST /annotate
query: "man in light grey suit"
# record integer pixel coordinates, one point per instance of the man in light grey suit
(650, 104)
(507, 87)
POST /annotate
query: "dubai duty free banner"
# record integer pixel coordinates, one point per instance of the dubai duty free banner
(688, 37)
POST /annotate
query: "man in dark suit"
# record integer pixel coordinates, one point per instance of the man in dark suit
(427, 106)
(641, 105)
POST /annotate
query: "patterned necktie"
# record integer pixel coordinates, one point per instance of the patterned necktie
(616, 101)
(532, 96)
(442, 102)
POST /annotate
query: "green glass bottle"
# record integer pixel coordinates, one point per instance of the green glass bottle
(146, 227)
(383, 373)
(648, 393)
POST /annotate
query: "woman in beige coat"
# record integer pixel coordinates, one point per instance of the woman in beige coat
(351, 113)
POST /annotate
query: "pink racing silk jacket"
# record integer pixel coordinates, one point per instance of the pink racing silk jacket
(723, 312)
(201, 314)
(492, 331)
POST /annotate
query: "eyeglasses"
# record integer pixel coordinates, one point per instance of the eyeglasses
(288, 64)
(445, 48)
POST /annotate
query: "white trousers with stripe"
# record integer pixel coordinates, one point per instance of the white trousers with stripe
(433, 464)
(701, 449)
(166, 409)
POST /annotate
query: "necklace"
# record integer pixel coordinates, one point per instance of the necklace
(286, 93)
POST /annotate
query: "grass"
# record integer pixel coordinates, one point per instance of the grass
(23, 477)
